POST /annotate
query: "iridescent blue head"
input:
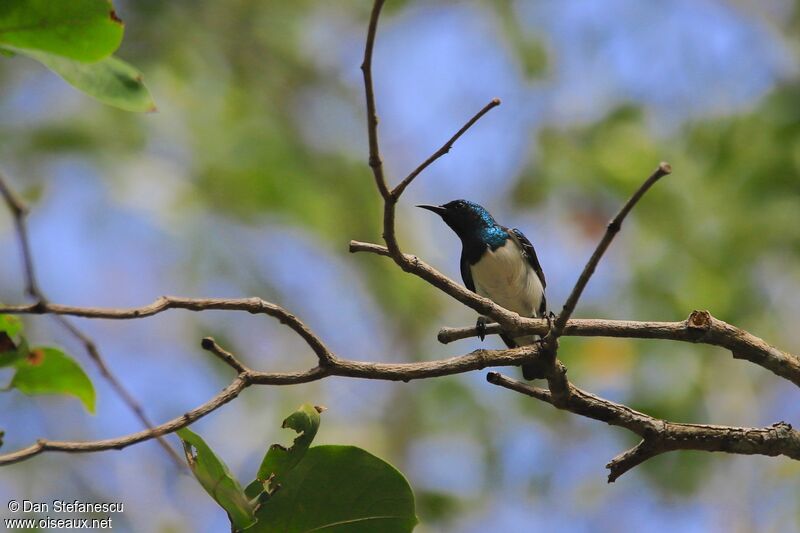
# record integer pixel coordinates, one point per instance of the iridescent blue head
(471, 222)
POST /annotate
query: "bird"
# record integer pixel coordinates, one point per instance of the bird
(498, 263)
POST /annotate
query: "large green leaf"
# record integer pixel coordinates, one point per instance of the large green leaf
(85, 30)
(50, 371)
(111, 80)
(216, 479)
(339, 489)
(279, 460)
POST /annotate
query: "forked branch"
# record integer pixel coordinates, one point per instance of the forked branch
(19, 212)
(660, 436)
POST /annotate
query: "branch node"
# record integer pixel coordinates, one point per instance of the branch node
(700, 320)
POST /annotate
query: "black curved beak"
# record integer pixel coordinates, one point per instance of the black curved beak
(439, 210)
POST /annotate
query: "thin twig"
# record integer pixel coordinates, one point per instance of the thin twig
(375, 162)
(397, 191)
(19, 212)
(44, 445)
(555, 372)
(611, 231)
(660, 436)
(209, 344)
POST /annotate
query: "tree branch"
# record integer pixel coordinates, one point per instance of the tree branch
(19, 212)
(164, 303)
(699, 328)
(477, 360)
(659, 436)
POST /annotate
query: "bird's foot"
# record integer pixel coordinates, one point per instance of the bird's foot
(480, 327)
(551, 317)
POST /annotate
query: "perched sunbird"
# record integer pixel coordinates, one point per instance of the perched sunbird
(498, 263)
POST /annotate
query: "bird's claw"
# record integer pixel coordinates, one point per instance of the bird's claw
(480, 327)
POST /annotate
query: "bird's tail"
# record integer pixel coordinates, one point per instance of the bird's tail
(531, 371)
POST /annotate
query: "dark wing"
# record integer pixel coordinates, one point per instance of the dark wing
(530, 255)
(466, 273)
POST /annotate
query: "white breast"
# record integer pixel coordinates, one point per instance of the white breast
(505, 277)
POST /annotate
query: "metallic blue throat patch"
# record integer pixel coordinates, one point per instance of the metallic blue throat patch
(494, 236)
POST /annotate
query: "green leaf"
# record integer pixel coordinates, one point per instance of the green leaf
(279, 460)
(84, 30)
(339, 488)
(9, 352)
(15, 354)
(50, 371)
(216, 479)
(111, 81)
(11, 325)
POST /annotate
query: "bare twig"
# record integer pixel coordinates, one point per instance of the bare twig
(19, 212)
(44, 445)
(209, 344)
(660, 436)
(555, 372)
(613, 228)
(375, 162)
(397, 191)
(390, 197)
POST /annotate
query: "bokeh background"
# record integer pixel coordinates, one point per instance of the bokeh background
(252, 178)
